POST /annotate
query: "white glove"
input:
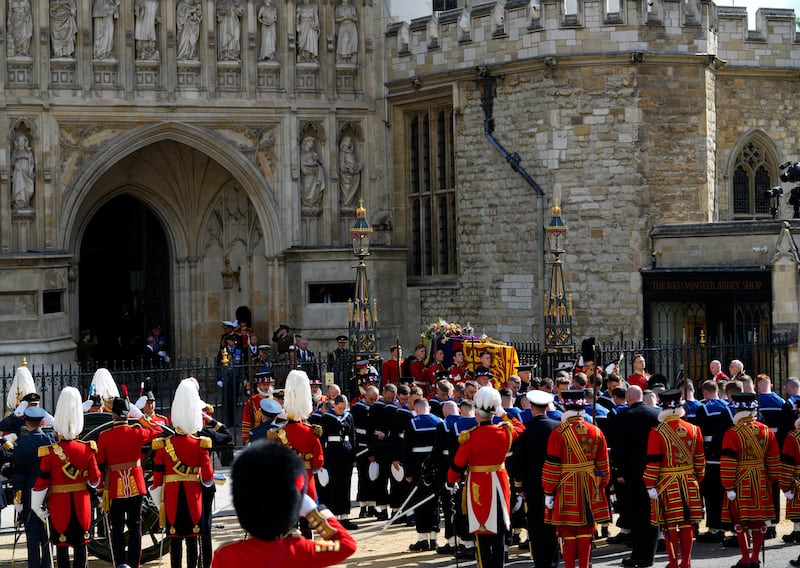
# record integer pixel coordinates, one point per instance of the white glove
(141, 401)
(155, 495)
(134, 412)
(11, 437)
(549, 501)
(500, 411)
(87, 405)
(653, 493)
(307, 505)
(20, 410)
(18, 508)
(453, 489)
(38, 505)
(789, 495)
(323, 477)
(731, 495)
(517, 505)
(374, 471)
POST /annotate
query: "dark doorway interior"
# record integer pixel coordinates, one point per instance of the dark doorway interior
(124, 278)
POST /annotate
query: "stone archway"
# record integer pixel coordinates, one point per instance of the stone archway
(184, 186)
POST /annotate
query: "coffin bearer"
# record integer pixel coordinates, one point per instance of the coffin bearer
(68, 470)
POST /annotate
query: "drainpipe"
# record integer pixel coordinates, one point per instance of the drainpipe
(487, 84)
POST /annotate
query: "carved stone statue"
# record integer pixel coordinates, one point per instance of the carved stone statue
(229, 29)
(20, 28)
(189, 14)
(267, 16)
(63, 27)
(104, 12)
(307, 33)
(312, 176)
(146, 13)
(349, 170)
(22, 180)
(347, 41)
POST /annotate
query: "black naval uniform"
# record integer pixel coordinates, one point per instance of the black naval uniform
(337, 448)
(713, 418)
(365, 419)
(422, 446)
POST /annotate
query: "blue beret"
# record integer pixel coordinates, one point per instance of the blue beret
(34, 413)
(269, 406)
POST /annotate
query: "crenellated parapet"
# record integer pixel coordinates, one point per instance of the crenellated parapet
(497, 33)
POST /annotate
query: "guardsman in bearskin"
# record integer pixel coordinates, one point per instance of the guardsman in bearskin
(269, 516)
(790, 480)
(181, 464)
(68, 469)
(26, 473)
(251, 415)
(749, 464)
(337, 447)
(297, 434)
(482, 453)
(574, 478)
(119, 457)
(675, 467)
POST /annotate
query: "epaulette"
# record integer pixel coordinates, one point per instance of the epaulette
(464, 437)
(43, 451)
(327, 545)
(205, 442)
(157, 444)
(317, 429)
(91, 443)
(507, 425)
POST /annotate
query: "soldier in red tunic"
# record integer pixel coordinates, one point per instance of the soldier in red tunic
(748, 466)
(297, 434)
(119, 457)
(181, 465)
(676, 464)
(482, 452)
(574, 478)
(68, 469)
(251, 416)
(269, 516)
(147, 404)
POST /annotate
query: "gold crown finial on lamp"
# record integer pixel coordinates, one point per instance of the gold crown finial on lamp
(24, 362)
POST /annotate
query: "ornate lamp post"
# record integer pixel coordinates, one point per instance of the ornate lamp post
(558, 306)
(362, 316)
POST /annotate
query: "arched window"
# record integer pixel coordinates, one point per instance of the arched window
(755, 171)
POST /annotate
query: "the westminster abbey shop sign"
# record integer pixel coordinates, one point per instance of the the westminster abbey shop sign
(746, 285)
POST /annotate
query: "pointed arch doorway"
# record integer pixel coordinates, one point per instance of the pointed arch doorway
(125, 277)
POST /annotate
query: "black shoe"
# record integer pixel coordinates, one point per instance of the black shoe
(730, 542)
(633, 563)
(661, 546)
(465, 553)
(382, 515)
(770, 533)
(525, 546)
(619, 538)
(371, 512)
(709, 536)
(795, 562)
(741, 564)
(420, 546)
(446, 549)
(362, 513)
(348, 524)
(793, 536)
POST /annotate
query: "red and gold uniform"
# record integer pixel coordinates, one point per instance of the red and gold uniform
(749, 465)
(574, 479)
(66, 468)
(430, 375)
(159, 419)
(119, 451)
(304, 440)
(458, 375)
(390, 372)
(482, 453)
(675, 466)
(790, 472)
(639, 380)
(251, 415)
(417, 370)
(181, 464)
(289, 552)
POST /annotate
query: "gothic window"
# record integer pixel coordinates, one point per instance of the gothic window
(754, 172)
(431, 192)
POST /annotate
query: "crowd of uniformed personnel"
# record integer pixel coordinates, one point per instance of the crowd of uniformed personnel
(561, 456)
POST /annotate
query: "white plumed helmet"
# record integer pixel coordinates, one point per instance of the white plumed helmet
(20, 386)
(297, 397)
(187, 408)
(104, 385)
(68, 419)
(487, 399)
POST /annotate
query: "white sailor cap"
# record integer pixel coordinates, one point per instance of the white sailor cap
(539, 397)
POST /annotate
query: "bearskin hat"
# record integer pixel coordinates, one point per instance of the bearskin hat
(267, 515)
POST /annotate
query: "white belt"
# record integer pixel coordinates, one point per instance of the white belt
(712, 462)
(421, 450)
(773, 430)
(401, 435)
(708, 438)
(335, 439)
(362, 444)
(445, 452)
(509, 454)
(361, 431)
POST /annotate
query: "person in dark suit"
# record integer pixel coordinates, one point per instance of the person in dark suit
(26, 471)
(526, 469)
(631, 430)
